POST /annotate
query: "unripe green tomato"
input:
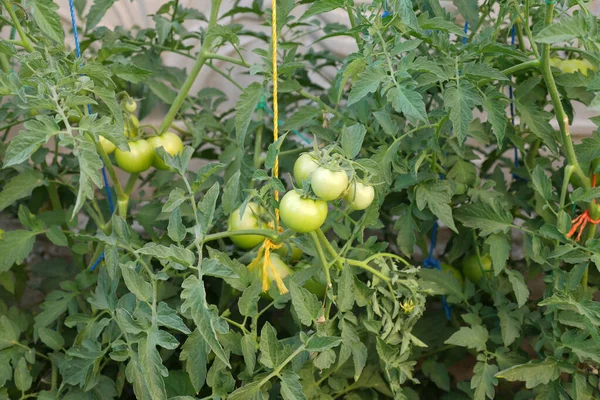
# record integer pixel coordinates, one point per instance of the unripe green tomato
(572, 66)
(302, 215)
(316, 288)
(327, 184)
(170, 142)
(34, 112)
(138, 159)
(280, 266)
(471, 270)
(359, 195)
(304, 166)
(74, 118)
(290, 250)
(130, 105)
(249, 220)
(106, 144)
(454, 271)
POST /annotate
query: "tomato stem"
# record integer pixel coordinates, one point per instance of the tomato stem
(24, 39)
(201, 59)
(330, 249)
(322, 257)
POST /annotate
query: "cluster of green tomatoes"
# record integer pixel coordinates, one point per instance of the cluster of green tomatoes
(141, 154)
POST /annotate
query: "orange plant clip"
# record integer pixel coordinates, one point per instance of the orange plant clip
(579, 223)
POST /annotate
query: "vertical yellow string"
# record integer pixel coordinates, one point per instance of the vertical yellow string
(275, 103)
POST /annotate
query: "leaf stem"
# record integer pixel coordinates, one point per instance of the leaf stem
(525, 65)
(15, 343)
(330, 249)
(24, 39)
(322, 258)
(193, 74)
(215, 56)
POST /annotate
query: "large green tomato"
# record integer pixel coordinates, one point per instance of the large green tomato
(138, 159)
(302, 215)
(290, 250)
(249, 220)
(328, 184)
(170, 142)
(572, 66)
(280, 266)
(359, 195)
(471, 270)
(106, 144)
(454, 271)
(304, 166)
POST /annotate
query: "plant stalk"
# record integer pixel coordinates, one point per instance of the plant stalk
(24, 39)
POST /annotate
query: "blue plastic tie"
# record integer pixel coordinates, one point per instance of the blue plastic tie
(386, 13)
(89, 107)
(465, 30)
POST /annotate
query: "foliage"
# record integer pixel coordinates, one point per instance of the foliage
(419, 112)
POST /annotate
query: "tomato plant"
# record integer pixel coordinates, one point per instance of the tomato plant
(362, 150)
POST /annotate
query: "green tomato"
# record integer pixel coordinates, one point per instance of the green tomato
(572, 66)
(280, 266)
(302, 215)
(106, 144)
(130, 105)
(138, 159)
(304, 166)
(454, 271)
(360, 196)
(170, 142)
(316, 288)
(328, 184)
(291, 250)
(471, 270)
(249, 220)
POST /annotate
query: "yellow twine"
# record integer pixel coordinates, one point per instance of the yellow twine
(263, 258)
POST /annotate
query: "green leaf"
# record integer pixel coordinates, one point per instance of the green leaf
(322, 343)
(231, 193)
(162, 91)
(249, 353)
(56, 236)
(172, 253)
(291, 388)
(194, 296)
(248, 302)
(519, 286)
(494, 104)
(168, 317)
(23, 379)
(499, 244)
(272, 352)
(345, 290)
(15, 246)
(20, 186)
(176, 229)
(207, 206)
(437, 195)
(151, 367)
(541, 183)
(244, 109)
(461, 100)
(90, 165)
(438, 373)
(445, 283)
(97, 11)
(469, 10)
(539, 122)
(322, 6)
(510, 325)
(303, 116)
(195, 354)
(246, 392)
(273, 151)
(135, 283)
(471, 338)
(205, 172)
(483, 71)
(404, 10)
(351, 139)
(488, 218)
(54, 305)
(35, 133)
(47, 19)
(564, 30)
(366, 82)
(407, 101)
(533, 373)
(9, 333)
(51, 338)
(307, 305)
(130, 72)
(484, 380)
